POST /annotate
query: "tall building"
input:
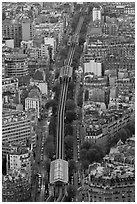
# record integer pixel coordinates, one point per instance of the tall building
(96, 14)
(33, 101)
(16, 65)
(28, 29)
(18, 127)
(11, 29)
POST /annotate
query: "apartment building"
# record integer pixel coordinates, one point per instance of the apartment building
(20, 159)
(96, 14)
(18, 126)
(112, 188)
(12, 29)
(10, 84)
(16, 65)
(33, 101)
(99, 50)
(16, 187)
(100, 129)
(93, 67)
(28, 29)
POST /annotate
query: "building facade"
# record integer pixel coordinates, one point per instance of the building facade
(18, 126)
(10, 84)
(28, 29)
(11, 29)
(96, 14)
(16, 65)
(33, 101)
(93, 67)
(16, 188)
(20, 159)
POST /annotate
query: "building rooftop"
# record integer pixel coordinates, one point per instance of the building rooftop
(38, 75)
(12, 116)
(34, 93)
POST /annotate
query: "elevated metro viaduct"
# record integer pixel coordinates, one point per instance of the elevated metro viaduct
(59, 167)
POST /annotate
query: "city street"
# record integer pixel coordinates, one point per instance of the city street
(38, 164)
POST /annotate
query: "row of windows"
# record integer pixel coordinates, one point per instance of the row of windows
(17, 139)
(18, 123)
(13, 134)
(15, 130)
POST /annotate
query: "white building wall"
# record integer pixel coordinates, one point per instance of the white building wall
(93, 67)
(15, 162)
(28, 30)
(44, 50)
(32, 103)
(49, 41)
(96, 14)
(25, 31)
(10, 43)
(27, 44)
(43, 87)
(99, 69)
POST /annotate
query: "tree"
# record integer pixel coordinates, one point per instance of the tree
(128, 131)
(86, 145)
(86, 95)
(93, 155)
(71, 190)
(71, 85)
(68, 142)
(75, 63)
(56, 88)
(89, 153)
(69, 154)
(80, 98)
(3, 15)
(50, 150)
(53, 104)
(63, 53)
(83, 154)
(49, 139)
(131, 126)
(70, 105)
(68, 129)
(72, 166)
(123, 134)
(46, 165)
(85, 164)
(52, 126)
(70, 116)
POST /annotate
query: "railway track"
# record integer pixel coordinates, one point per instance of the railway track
(61, 111)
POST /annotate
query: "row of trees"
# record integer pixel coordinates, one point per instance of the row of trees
(89, 153)
(71, 114)
(123, 134)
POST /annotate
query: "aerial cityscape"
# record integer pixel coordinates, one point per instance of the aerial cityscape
(68, 101)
